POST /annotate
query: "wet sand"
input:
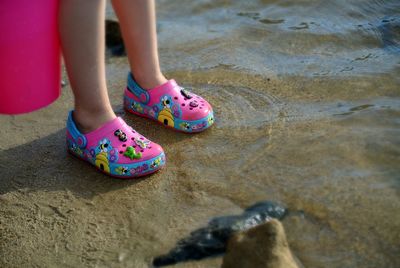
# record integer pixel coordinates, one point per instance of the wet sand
(303, 117)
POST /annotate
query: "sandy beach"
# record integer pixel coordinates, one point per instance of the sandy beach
(307, 105)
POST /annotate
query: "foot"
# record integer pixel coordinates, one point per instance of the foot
(115, 149)
(169, 104)
(87, 121)
(148, 82)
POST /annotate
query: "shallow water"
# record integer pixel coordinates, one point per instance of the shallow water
(307, 101)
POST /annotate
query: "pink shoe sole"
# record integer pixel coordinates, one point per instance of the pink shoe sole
(160, 123)
(115, 176)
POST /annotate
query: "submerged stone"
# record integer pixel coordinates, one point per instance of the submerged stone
(389, 29)
(212, 239)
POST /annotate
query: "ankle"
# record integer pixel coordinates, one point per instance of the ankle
(149, 81)
(89, 120)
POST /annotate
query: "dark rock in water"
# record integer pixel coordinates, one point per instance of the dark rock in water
(212, 239)
(264, 246)
(114, 41)
(390, 31)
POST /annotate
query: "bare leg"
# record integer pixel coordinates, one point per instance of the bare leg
(81, 26)
(138, 25)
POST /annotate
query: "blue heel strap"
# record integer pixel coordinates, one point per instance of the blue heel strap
(78, 137)
(139, 92)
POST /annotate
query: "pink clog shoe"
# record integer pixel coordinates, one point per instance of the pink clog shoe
(115, 149)
(169, 104)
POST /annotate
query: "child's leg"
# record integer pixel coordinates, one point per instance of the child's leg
(81, 25)
(138, 25)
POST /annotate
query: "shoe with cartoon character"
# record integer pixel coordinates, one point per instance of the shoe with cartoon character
(115, 149)
(170, 105)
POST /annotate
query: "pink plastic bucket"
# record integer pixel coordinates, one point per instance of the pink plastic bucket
(29, 55)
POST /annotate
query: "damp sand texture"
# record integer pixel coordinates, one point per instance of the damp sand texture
(307, 104)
